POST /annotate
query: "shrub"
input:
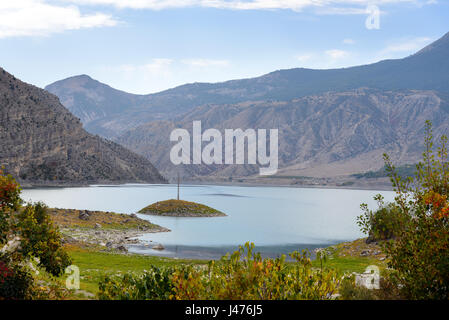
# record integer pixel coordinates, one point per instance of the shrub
(15, 281)
(419, 256)
(25, 233)
(385, 223)
(153, 284)
(9, 201)
(350, 291)
(41, 239)
(242, 275)
(245, 275)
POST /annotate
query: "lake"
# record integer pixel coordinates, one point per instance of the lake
(277, 219)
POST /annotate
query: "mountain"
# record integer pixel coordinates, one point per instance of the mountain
(42, 142)
(331, 122)
(110, 112)
(319, 135)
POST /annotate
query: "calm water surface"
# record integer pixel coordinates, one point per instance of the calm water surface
(277, 219)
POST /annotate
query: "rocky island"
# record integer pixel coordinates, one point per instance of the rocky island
(103, 230)
(181, 208)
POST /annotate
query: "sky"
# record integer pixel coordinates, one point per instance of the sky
(146, 46)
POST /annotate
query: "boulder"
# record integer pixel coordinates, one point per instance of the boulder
(158, 247)
(365, 253)
(84, 215)
(122, 249)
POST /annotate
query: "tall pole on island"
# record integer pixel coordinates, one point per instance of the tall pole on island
(178, 185)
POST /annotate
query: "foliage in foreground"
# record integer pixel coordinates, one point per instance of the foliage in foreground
(153, 284)
(28, 240)
(386, 291)
(385, 223)
(243, 275)
(419, 254)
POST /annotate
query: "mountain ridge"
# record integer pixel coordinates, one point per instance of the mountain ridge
(43, 143)
(428, 69)
(327, 130)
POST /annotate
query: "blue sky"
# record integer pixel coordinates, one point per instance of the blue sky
(145, 46)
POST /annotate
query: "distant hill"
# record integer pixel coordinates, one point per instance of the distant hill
(111, 112)
(404, 171)
(42, 142)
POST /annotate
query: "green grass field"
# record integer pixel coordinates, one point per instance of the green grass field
(94, 264)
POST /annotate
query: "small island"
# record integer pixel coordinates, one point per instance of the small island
(181, 208)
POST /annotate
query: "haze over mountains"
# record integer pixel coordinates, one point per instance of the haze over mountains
(330, 122)
(42, 142)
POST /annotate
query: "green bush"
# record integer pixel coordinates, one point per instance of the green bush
(9, 202)
(350, 291)
(385, 223)
(26, 233)
(243, 275)
(246, 275)
(41, 239)
(419, 255)
(153, 284)
(15, 281)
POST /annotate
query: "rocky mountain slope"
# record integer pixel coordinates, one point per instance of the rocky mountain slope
(110, 112)
(42, 142)
(320, 135)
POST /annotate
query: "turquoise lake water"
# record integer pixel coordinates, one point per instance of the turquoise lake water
(277, 219)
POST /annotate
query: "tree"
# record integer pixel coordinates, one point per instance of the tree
(26, 233)
(419, 254)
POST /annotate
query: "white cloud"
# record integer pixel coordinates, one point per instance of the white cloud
(158, 67)
(328, 59)
(296, 5)
(205, 62)
(161, 73)
(303, 57)
(409, 45)
(336, 54)
(348, 41)
(37, 18)
(340, 11)
(219, 4)
(158, 64)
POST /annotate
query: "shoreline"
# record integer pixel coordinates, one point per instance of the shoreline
(101, 229)
(379, 187)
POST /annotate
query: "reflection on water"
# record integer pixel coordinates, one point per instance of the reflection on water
(277, 219)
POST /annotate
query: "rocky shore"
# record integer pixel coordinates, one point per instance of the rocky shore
(104, 230)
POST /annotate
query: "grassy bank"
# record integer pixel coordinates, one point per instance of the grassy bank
(353, 256)
(94, 264)
(72, 218)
